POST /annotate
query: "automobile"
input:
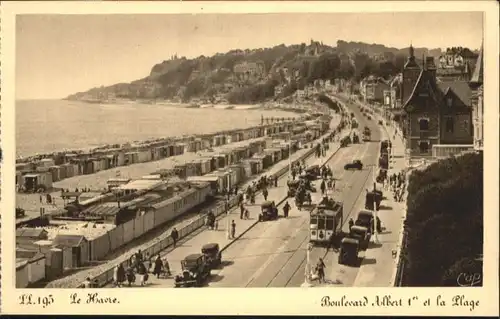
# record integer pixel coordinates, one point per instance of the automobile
(345, 141)
(313, 170)
(356, 164)
(348, 252)
(20, 213)
(355, 139)
(362, 235)
(212, 254)
(195, 271)
(292, 187)
(365, 219)
(371, 197)
(269, 211)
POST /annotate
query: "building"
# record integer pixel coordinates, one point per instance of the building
(436, 113)
(372, 89)
(476, 85)
(456, 64)
(249, 71)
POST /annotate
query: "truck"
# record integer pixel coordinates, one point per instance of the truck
(367, 133)
(326, 219)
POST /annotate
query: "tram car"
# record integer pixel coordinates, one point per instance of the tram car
(325, 221)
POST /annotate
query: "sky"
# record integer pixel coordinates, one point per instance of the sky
(58, 55)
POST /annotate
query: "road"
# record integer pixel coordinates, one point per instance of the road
(273, 254)
(194, 242)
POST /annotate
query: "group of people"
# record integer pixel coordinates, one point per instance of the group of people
(297, 169)
(397, 184)
(139, 268)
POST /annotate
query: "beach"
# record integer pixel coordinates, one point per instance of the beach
(45, 126)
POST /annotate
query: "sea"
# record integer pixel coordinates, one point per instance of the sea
(45, 126)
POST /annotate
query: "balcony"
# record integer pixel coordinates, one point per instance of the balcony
(447, 150)
(424, 135)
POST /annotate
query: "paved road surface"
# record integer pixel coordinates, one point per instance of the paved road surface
(272, 254)
(194, 243)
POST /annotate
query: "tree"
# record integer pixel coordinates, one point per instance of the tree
(444, 219)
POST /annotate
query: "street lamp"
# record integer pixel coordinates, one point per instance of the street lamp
(307, 271)
(375, 219)
(228, 232)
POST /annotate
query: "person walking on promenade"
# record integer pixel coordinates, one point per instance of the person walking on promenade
(275, 181)
(286, 209)
(323, 187)
(233, 228)
(320, 267)
(174, 235)
(216, 225)
(351, 223)
(247, 214)
(242, 210)
(158, 266)
(265, 193)
(294, 172)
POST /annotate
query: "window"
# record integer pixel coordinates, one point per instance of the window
(449, 102)
(423, 146)
(449, 124)
(466, 126)
(423, 124)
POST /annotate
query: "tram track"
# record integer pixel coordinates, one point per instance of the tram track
(303, 241)
(325, 255)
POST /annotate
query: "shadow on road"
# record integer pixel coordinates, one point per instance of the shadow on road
(383, 207)
(369, 261)
(372, 245)
(215, 278)
(226, 263)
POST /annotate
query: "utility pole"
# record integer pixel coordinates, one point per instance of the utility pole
(307, 271)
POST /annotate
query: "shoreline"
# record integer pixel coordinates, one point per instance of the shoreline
(140, 143)
(55, 167)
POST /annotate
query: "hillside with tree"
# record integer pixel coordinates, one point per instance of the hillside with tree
(250, 76)
(444, 223)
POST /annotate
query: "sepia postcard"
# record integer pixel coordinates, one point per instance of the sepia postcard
(343, 153)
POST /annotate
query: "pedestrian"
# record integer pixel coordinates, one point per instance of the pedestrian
(351, 223)
(275, 181)
(293, 174)
(323, 187)
(138, 256)
(130, 276)
(174, 235)
(242, 210)
(158, 266)
(141, 271)
(321, 270)
(247, 214)
(286, 209)
(147, 262)
(87, 283)
(120, 275)
(216, 225)
(265, 193)
(233, 228)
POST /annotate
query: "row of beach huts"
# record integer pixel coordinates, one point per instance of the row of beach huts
(42, 173)
(146, 206)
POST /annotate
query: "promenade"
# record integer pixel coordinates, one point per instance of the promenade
(156, 236)
(193, 244)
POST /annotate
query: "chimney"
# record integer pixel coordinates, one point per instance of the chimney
(431, 66)
(429, 63)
